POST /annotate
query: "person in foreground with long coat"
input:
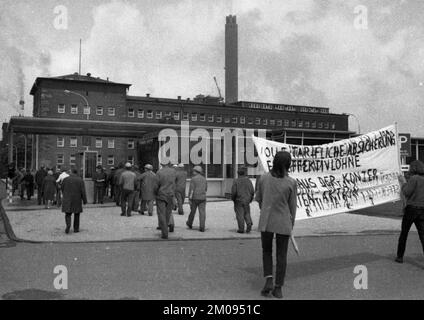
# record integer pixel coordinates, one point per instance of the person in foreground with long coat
(73, 196)
(413, 190)
(49, 189)
(277, 198)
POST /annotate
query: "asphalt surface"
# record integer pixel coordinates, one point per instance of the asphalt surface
(217, 269)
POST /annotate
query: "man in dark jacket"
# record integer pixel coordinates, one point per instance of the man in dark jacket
(165, 198)
(39, 178)
(73, 196)
(116, 177)
(148, 186)
(242, 193)
(180, 187)
(99, 179)
(28, 181)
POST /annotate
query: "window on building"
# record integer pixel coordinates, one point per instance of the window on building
(73, 142)
(140, 113)
(131, 144)
(99, 160)
(210, 118)
(227, 120)
(110, 160)
(313, 124)
(60, 142)
(279, 123)
(333, 126)
(185, 116)
(61, 108)
(176, 116)
(307, 124)
(265, 121)
(168, 114)
(258, 121)
(272, 122)
(60, 159)
(286, 123)
(219, 119)
(72, 160)
(202, 117)
(293, 123)
(320, 125)
(327, 125)
(149, 114)
(131, 159)
(111, 143)
(74, 109)
(99, 111)
(250, 120)
(194, 116)
(300, 124)
(111, 111)
(131, 113)
(99, 143)
(158, 114)
(234, 119)
(242, 120)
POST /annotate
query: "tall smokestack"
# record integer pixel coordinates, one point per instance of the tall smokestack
(231, 60)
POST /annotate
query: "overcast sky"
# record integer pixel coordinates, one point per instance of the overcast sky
(319, 53)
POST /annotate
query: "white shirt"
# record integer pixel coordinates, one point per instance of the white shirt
(62, 176)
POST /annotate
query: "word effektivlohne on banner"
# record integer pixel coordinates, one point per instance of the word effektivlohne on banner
(342, 176)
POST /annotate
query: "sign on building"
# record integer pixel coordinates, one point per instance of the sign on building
(405, 144)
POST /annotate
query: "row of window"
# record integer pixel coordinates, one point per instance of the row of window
(60, 159)
(110, 111)
(73, 143)
(203, 117)
(234, 119)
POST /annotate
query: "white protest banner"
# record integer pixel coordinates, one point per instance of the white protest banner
(342, 176)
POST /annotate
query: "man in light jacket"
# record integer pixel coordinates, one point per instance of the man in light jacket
(197, 198)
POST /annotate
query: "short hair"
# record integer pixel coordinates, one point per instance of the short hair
(416, 167)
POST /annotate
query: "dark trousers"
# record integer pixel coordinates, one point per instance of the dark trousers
(58, 197)
(127, 199)
(99, 194)
(282, 242)
(180, 201)
(117, 194)
(164, 214)
(412, 215)
(68, 220)
(112, 191)
(149, 205)
(242, 211)
(201, 204)
(39, 197)
(136, 201)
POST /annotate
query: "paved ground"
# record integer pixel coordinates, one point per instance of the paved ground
(105, 224)
(213, 269)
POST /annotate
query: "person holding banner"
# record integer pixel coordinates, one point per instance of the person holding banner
(277, 197)
(413, 190)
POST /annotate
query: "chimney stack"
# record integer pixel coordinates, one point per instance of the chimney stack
(231, 60)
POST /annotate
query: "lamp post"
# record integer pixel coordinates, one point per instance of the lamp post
(87, 107)
(357, 120)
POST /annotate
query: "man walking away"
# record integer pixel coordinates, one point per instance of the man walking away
(99, 179)
(73, 196)
(148, 186)
(116, 177)
(242, 194)
(127, 186)
(164, 199)
(197, 198)
(136, 202)
(29, 184)
(180, 187)
(39, 178)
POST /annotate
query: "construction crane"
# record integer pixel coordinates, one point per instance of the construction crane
(219, 91)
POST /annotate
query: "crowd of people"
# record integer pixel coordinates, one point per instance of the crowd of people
(275, 192)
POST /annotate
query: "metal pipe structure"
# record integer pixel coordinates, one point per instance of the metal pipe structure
(84, 98)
